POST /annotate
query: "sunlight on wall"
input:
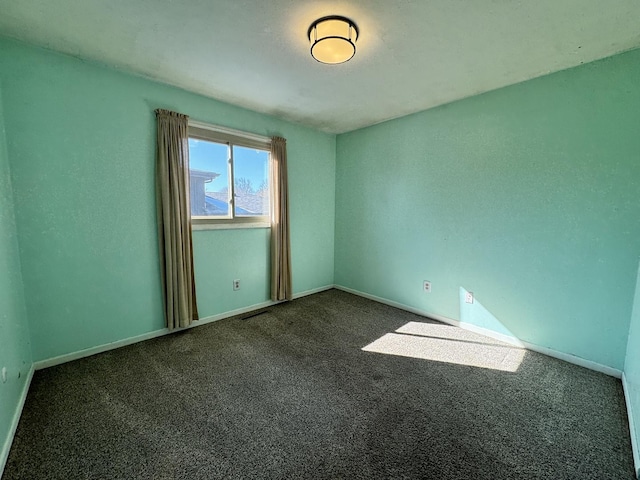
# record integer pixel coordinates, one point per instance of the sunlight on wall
(476, 314)
(447, 344)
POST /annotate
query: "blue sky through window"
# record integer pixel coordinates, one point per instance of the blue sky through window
(249, 163)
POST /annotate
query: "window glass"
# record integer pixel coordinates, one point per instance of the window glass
(229, 177)
(251, 181)
(209, 178)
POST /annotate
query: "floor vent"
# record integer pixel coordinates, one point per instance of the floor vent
(254, 314)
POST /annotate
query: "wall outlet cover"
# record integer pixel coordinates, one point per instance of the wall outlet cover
(426, 286)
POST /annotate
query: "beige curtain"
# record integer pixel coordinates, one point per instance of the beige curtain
(280, 242)
(174, 219)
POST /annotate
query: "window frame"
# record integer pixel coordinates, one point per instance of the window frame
(231, 138)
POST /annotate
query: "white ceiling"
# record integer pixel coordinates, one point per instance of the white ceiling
(412, 54)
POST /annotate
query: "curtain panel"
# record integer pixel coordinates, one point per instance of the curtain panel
(174, 219)
(281, 285)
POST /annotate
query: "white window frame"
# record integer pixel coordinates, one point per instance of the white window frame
(231, 137)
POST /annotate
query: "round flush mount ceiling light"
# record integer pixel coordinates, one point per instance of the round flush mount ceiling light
(333, 39)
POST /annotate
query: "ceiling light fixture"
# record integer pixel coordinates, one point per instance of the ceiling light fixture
(333, 39)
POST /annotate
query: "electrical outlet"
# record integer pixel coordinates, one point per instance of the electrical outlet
(468, 297)
(236, 284)
(4, 374)
(426, 286)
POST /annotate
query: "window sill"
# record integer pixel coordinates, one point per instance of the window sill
(228, 226)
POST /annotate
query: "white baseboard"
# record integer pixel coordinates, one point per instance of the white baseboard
(68, 357)
(491, 334)
(4, 454)
(467, 326)
(231, 313)
(635, 446)
(87, 352)
(312, 291)
(582, 362)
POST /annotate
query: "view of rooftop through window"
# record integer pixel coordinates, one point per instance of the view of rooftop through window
(211, 174)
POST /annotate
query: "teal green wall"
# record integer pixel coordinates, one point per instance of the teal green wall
(526, 196)
(81, 140)
(15, 349)
(246, 257)
(632, 370)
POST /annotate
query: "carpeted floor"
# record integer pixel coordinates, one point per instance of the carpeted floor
(292, 394)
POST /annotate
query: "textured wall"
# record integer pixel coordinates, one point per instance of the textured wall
(632, 371)
(81, 139)
(526, 196)
(15, 350)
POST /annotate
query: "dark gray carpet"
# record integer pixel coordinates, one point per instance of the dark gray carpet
(291, 394)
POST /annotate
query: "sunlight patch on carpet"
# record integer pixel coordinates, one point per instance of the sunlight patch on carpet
(447, 332)
(446, 344)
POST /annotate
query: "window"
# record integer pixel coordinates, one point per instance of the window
(229, 177)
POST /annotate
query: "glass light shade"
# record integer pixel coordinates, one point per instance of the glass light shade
(333, 39)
